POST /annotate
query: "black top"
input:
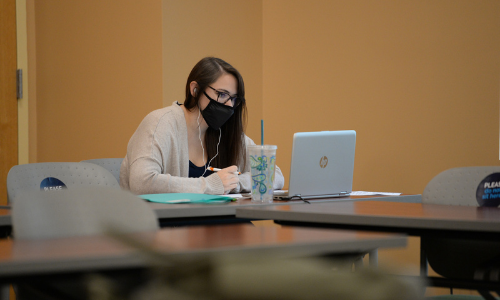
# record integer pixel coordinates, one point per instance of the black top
(195, 171)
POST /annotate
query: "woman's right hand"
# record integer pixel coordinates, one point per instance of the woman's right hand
(229, 178)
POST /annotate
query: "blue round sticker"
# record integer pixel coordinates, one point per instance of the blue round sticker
(52, 184)
(488, 191)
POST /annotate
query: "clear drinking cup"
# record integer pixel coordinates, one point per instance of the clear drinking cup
(262, 160)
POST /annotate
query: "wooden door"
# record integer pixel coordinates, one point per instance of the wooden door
(8, 97)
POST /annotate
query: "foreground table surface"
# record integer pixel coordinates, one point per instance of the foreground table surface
(79, 254)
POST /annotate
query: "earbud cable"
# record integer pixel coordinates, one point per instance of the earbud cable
(201, 142)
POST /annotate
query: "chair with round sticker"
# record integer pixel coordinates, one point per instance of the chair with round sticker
(454, 257)
(56, 176)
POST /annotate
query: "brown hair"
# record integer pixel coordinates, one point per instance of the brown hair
(231, 148)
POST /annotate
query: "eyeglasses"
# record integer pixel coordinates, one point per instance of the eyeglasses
(223, 97)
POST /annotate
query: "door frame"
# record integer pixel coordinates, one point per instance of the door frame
(22, 63)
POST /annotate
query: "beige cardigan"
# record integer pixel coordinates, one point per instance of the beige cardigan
(157, 159)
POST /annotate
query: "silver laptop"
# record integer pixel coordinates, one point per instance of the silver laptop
(322, 165)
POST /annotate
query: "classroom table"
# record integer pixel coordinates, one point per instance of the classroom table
(5, 217)
(424, 220)
(28, 258)
(171, 215)
(5, 222)
(192, 214)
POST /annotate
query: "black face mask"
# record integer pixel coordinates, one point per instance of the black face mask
(216, 114)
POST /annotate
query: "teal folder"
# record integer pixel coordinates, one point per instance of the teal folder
(189, 198)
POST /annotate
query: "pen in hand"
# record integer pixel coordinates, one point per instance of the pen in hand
(217, 170)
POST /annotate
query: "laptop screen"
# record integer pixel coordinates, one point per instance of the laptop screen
(322, 163)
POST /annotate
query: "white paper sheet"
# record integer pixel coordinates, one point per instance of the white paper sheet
(363, 193)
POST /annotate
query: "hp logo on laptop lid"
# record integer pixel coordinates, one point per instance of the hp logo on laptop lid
(323, 162)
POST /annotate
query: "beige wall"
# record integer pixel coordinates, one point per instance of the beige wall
(98, 71)
(418, 81)
(231, 30)
(100, 67)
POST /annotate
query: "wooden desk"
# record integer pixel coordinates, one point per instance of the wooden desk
(201, 214)
(187, 214)
(412, 218)
(5, 223)
(5, 217)
(424, 220)
(101, 253)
